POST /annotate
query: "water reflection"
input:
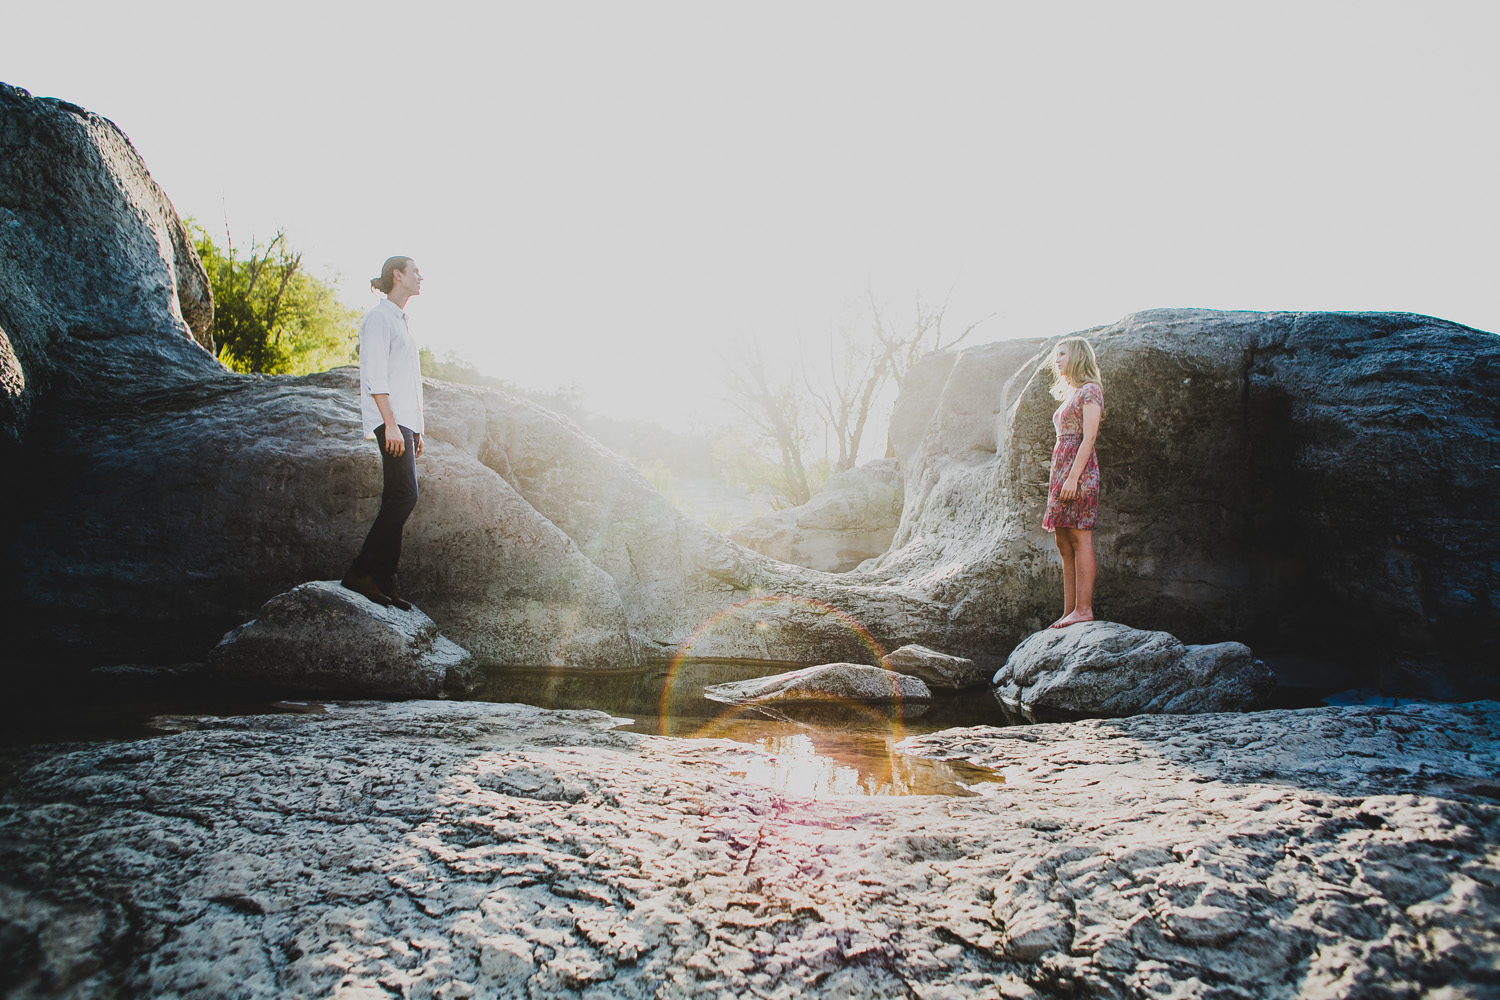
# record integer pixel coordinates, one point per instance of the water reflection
(809, 750)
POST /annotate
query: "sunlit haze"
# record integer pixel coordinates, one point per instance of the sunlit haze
(612, 195)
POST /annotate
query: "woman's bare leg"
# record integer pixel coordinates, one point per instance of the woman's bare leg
(1065, 548)
(1085, 567)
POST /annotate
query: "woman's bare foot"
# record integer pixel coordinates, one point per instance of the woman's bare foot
(1073, 619)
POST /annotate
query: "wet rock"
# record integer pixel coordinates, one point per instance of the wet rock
(855, 682)
(322, 639)
(938, 671)
(1105, 668)
(851, 518)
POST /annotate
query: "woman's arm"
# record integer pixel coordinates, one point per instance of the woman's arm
(1092, 414)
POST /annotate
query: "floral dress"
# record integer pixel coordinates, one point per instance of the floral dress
(1083, 510)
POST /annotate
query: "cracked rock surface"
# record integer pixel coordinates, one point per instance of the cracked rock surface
(436, 849)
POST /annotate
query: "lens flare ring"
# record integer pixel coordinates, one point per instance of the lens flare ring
(684, 652)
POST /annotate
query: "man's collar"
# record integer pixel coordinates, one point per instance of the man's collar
(399, 311)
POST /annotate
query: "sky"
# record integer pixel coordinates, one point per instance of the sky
(615, 195)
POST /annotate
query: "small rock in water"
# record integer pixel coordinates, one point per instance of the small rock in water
(322, 638)
(128, 677)
(828, 682)
(1105, 668)
(938, 671)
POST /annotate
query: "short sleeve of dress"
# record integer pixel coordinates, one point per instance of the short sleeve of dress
(1091, 393)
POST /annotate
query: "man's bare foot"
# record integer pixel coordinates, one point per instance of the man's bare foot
(1060, 620)
(1073, 619)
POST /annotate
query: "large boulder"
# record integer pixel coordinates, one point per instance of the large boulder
(90, 248)
(168, 498)
(851, 518)
(322, 639)
(939, 671)
(1105, 668)
(1283, 477)
(837, 682)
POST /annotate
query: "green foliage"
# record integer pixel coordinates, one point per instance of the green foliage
(270, 314)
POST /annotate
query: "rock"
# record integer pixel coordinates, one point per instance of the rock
(90, 248)
(410, 847)
(851, 518)
(938, 671)
(322, 639)
(1105, 668)
(170, 680)
(1276, 476)
(844, 682)
(531, 544)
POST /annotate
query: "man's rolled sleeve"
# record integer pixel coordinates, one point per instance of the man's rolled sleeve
(374, 358)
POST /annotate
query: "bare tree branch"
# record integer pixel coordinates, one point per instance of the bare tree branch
(863, 355)
(775, 411)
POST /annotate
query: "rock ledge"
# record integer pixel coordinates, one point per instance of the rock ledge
(450, 849)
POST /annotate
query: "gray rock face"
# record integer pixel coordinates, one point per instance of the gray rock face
(851, 518)
(322, 639)
(90, 247)
(1276, 476)
(168, 498)
(938, 671)
(1105, 668)
(518, 852)
(842, 682)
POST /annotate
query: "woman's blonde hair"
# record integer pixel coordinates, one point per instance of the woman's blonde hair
(1082, 368)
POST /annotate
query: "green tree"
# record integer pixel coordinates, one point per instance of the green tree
(271, 314)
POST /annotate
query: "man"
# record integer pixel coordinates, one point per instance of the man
(390, 376)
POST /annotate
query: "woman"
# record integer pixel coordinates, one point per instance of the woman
(1073, 488)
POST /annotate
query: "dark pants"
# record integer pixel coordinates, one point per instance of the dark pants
(382, 549)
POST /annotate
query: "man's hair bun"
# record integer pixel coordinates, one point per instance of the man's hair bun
(387, 279)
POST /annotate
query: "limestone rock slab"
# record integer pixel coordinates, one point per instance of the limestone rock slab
(377, 849)
(1106, 668)
(321, 638)
(857, 682)
(939, 671)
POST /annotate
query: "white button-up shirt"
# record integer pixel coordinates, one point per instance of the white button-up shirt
(389, 363)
